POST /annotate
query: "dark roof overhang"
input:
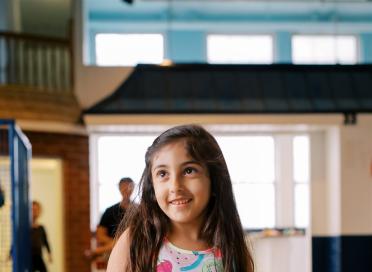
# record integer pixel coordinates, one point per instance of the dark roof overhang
(242, 89)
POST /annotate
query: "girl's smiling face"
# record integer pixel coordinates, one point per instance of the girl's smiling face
(182, 185)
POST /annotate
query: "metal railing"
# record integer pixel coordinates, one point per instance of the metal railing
(15, 155)
(41, 63)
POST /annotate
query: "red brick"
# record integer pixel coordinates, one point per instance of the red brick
(73, 150)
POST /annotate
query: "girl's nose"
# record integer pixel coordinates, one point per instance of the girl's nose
(175, 184)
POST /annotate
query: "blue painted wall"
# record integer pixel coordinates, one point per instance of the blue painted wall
(326, 253)
(346, 253)
(185, 46)
(366, 47)
(283, 47)
(356, 253)
(186, 24)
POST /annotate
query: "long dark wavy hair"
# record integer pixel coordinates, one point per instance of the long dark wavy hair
(222, 229)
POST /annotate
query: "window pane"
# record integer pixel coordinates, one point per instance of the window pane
(119, 157)
(324, 49)
(256, 205)
(240, 49)
(249, 159)
(301, 158)
(108, 195)
(129, 49)
(302, 212)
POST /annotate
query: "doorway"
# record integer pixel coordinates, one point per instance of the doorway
(46, 187)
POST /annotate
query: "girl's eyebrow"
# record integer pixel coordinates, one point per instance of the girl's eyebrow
(182, 164)
(159, 166)
(191, 162)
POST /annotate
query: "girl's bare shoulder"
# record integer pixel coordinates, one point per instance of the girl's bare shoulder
(119, 257)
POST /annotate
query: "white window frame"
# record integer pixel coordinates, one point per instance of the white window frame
(304, 183)
(284, 185)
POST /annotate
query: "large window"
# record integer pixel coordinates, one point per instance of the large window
(129, 49)
(237, 49)
(251, 162)
(324, 49)
(265, 190)
(115, 157)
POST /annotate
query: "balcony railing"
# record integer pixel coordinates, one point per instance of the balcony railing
(36, 62)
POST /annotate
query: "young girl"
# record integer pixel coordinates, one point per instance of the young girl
(187, 218)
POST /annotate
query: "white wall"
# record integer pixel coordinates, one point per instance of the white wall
(92, 84)
(280, 254)
(325, 182)
(356, 177)
(342, 179)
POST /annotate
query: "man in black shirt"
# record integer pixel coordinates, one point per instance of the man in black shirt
(111, 218)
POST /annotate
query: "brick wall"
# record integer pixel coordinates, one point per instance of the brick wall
(74, 152)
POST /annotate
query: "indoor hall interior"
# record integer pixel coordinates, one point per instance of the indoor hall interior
(284, 86)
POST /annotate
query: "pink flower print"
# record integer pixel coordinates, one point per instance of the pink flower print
(164, 266)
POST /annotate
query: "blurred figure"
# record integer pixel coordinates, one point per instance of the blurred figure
(110, 220)
(39, 240)
(2, 197)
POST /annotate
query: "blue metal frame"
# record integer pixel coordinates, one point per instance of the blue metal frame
(20, 154)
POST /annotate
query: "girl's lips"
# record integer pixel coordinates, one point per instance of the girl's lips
(180, 201)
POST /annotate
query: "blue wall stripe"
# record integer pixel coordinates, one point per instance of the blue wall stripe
(326, 254)
(342, 254)
(183, 14)
(356, 253)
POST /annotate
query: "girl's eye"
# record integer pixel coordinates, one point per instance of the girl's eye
(161, 174)
(190, 170)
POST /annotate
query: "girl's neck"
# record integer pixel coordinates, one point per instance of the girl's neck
(186, 237)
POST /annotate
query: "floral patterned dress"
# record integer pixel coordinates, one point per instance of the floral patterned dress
(174, 259)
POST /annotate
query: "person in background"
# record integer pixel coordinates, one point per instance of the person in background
(110, 220)
(2, 197)
(39, 240)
